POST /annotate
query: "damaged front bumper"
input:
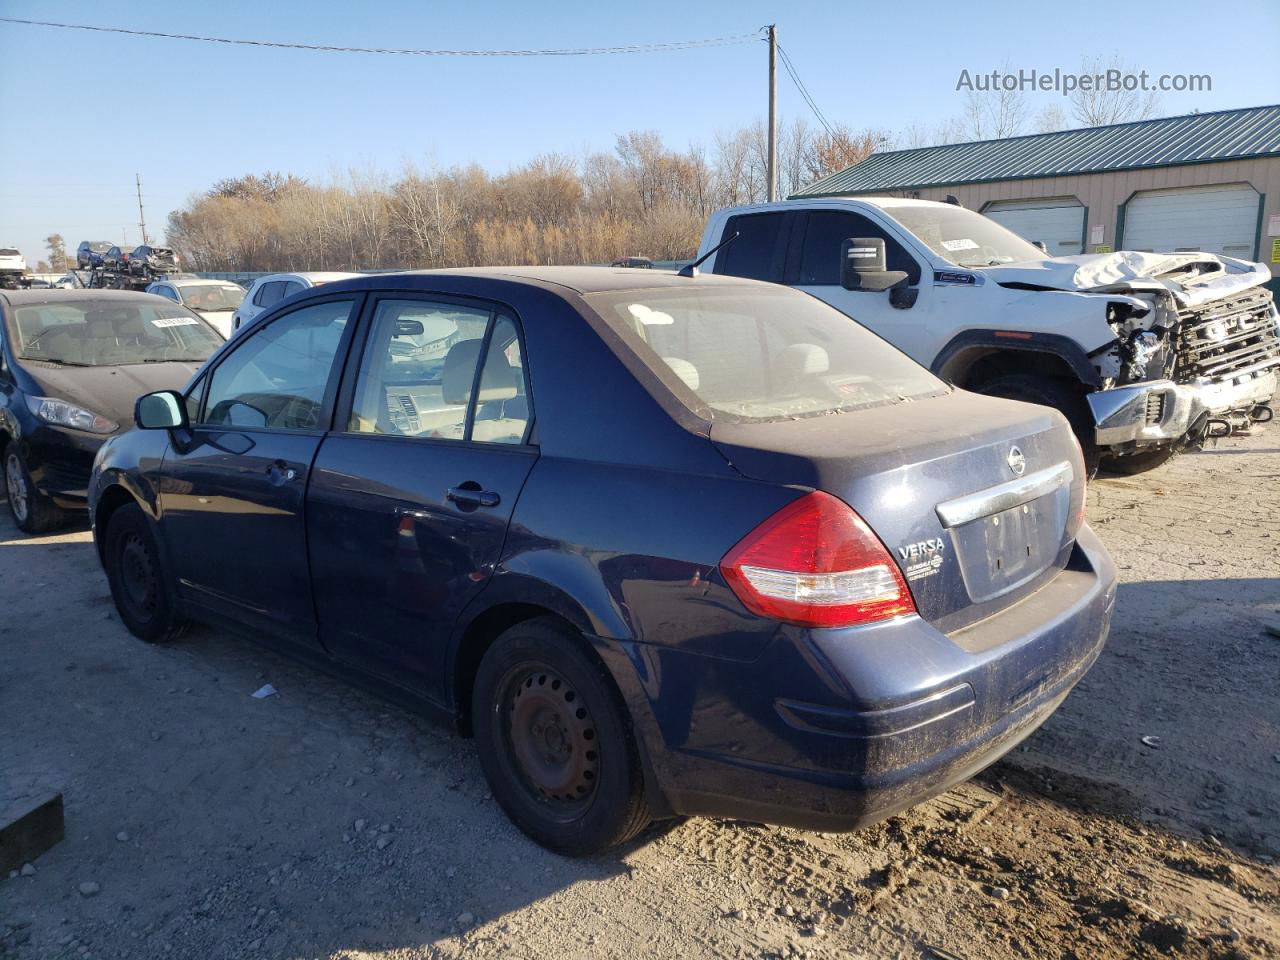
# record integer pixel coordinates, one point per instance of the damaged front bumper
(1160, 410)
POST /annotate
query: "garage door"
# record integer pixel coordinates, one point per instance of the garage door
(1058, 223)
(1217, 219)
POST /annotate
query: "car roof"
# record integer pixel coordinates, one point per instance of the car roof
(20, 298)
(805, 203)
(195, 281)
(583, 280)
(325, 275)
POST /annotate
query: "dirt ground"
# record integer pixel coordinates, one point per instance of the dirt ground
(325, 823)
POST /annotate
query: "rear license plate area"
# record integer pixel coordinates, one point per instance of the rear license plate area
(1004, 550)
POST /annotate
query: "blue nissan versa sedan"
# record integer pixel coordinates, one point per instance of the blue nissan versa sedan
(663, 544)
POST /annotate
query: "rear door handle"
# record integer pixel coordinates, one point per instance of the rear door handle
(469, 494)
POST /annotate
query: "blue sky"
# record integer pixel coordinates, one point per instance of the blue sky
(206, 111)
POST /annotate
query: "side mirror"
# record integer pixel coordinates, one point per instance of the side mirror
(1040, 245)
(163, 410)
(862, 266)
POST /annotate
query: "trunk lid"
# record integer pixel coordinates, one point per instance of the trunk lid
(938, 482)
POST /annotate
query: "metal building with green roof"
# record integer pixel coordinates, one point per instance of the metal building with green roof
(1203, 181)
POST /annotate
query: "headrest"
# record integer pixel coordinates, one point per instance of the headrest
(800, 359)
(101, 329)
(685, 370)
(498, 382)
(133, 327)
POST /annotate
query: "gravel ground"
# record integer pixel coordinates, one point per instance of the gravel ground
(323, 822)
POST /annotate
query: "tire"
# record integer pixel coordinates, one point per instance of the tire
(140, 585)
(1054, 392)
(555, 741)
(1139, 462)
(31, 510)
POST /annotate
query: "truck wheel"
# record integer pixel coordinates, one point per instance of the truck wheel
(1051, 392)
(555, 741)
(32, 511)
(1139, 462)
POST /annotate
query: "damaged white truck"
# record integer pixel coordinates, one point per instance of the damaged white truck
(1145, 353)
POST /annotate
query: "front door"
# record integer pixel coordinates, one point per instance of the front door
(411, 494)
(815, 268)
(233, 491)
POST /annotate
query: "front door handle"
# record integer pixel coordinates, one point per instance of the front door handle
(469, 494)
(281, 473)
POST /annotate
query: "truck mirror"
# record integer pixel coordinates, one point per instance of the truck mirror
(862, 266)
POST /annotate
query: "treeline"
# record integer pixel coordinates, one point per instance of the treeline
(642, 199)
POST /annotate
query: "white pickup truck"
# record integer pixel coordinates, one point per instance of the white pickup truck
(1145, 353)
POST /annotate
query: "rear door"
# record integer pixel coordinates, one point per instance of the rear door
(233, 491)
(411, 494)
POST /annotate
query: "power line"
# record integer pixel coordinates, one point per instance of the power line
(559, 52)
(804, 91)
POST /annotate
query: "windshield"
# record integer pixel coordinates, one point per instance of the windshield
(209, 296)
(963, 237)
(9, 252)
(743, 353)
(98, 333)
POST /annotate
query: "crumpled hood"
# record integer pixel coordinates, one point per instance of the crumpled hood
(1131, 270)
(110, 391)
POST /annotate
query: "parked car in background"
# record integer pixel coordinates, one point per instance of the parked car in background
(38, 283)
(145, 259)
(13, 267)
(269, 290)
(215, 300)
(492, 490)
(68, 281)
(74, 363)
(637, 263)
(1145, 353)
(116, 258)
(90, 253)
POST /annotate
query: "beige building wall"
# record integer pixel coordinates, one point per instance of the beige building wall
(1104, 193)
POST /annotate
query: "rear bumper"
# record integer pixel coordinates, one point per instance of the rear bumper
(1161, 410)
(835, 729)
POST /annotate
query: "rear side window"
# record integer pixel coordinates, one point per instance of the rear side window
(825, 230)
(271, 292)
(758, 252)
(290, 288)
(418, 376)
(739, 353)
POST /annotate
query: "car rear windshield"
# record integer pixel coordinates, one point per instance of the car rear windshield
(208, 296)
(963, 237)
(748, 353)
(101, 246)
(9, 252)
(96, 333)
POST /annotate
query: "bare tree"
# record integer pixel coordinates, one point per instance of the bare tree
(994, 114)
(1100, 105)
(1051, 118)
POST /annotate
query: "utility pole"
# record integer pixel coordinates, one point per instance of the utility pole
(772, 192)
(142, 220)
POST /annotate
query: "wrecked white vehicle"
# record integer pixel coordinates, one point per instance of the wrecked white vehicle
(1144, 353)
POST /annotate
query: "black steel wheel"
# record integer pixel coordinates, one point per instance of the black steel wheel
(555, 740)
(551, 735)
(139, 583)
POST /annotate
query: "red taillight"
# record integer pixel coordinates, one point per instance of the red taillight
(817, 564)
